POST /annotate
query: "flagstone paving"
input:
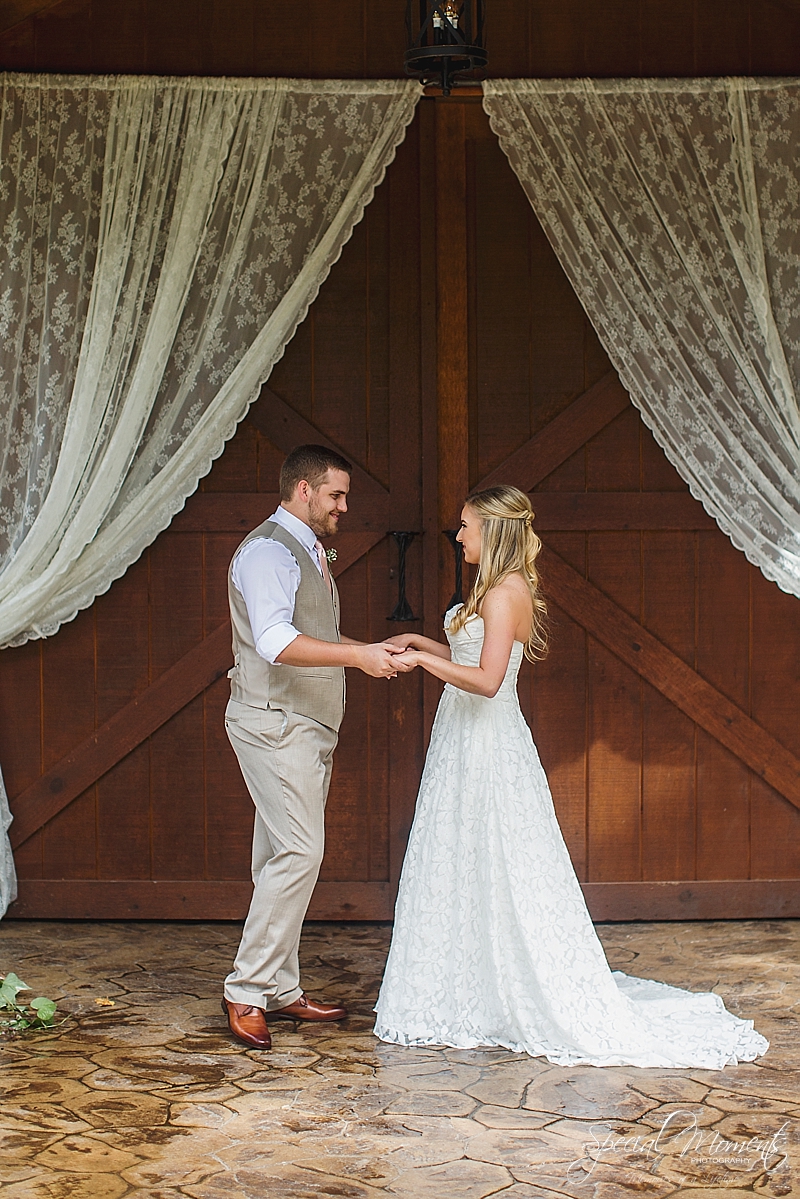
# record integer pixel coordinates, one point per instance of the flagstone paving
(151, 1097)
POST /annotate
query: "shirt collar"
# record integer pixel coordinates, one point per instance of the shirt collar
(298, 528)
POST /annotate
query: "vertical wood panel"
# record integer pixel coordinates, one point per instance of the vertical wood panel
(227, 36)
(501, 286)
(340, 349)
(237, 468)
(228, 806)
(775, 671)
(723, 657)
(353, 792)
(615, 721)
(668, 38)
(452, 359)
(123, 819)
(406, 480)
(63, 38)
(119, 36)
(611, 35)
(668, 749)
(774, 38)
(559, 716)
(378, 319)
(176, 750)
(174, 40)
(21, 736)
(69, 845)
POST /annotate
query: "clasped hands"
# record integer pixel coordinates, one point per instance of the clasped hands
(391, 657)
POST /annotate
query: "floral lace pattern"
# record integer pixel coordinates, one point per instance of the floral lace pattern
(492, 942)
(164, 238)
(673, 208)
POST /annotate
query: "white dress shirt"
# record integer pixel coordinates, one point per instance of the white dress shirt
(267, 575)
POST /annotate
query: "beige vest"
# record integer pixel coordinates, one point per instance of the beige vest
(313, 691)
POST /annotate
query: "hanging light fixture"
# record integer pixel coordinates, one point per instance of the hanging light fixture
(445, 41)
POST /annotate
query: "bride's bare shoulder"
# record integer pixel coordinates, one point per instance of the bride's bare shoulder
(511, 592)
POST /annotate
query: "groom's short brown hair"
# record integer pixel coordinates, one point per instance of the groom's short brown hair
(312, 463)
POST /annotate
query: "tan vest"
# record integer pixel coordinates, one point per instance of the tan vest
(313, 691)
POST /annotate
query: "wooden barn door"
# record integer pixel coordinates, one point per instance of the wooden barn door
(128, 798)
(446, 350)
(666, 713)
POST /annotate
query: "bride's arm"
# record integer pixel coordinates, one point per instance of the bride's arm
(500, 611)
(417, 641)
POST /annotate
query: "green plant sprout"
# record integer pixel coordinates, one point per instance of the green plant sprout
(16, 1016)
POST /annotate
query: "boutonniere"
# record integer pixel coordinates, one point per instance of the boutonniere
(331, 555)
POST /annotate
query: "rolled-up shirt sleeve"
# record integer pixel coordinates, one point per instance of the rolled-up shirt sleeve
(267, 575)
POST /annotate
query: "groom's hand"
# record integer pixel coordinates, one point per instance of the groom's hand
(380, 660)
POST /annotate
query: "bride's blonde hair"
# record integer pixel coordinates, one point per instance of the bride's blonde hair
(508, 546)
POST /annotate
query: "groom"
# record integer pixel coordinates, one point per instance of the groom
(286, 705)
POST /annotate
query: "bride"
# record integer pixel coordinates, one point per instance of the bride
(492, 942)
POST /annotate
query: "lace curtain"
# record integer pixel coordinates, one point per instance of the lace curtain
(163, 238)
(674, 209)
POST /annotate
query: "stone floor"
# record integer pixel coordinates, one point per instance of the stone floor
(151, 1097)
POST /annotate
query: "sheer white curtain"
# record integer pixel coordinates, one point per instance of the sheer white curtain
(674, 209)
(162, 240)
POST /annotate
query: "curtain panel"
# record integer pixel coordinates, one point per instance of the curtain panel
(674, 209)
(162, 240)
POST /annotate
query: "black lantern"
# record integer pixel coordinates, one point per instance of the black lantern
(445, 41)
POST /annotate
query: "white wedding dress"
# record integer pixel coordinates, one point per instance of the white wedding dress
(492, 943)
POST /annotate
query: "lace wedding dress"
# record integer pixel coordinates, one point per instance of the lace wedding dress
(492, 941)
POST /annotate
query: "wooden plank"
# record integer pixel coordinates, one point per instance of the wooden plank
(435, 564)
(500, 299)
(407, 484)
(704, 704)
(286, 429)
(177, 687)
(723, 658)
(452, 350)
(226, 32)
(341, 350)
(123, 810)
(618, 510)
(224, 512)
(214, 899)
(177, 817)
(21, 735)
(559, 440)
(94, 756)
(241, 511)
(668, 735)
(13, 12)
(723, 899)
(614, 742)
(774, 696)
(559, 713)
(118, 37)
(185, 899)
(69, 844)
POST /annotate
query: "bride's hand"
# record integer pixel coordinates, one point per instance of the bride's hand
(401, 639)
(409, 659)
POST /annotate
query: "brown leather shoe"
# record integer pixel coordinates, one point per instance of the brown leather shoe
(307, 1009)
(247, 1024)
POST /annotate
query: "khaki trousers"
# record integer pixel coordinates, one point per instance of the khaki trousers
(286, 762)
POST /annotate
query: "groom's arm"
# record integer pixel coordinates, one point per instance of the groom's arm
(375, 660)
